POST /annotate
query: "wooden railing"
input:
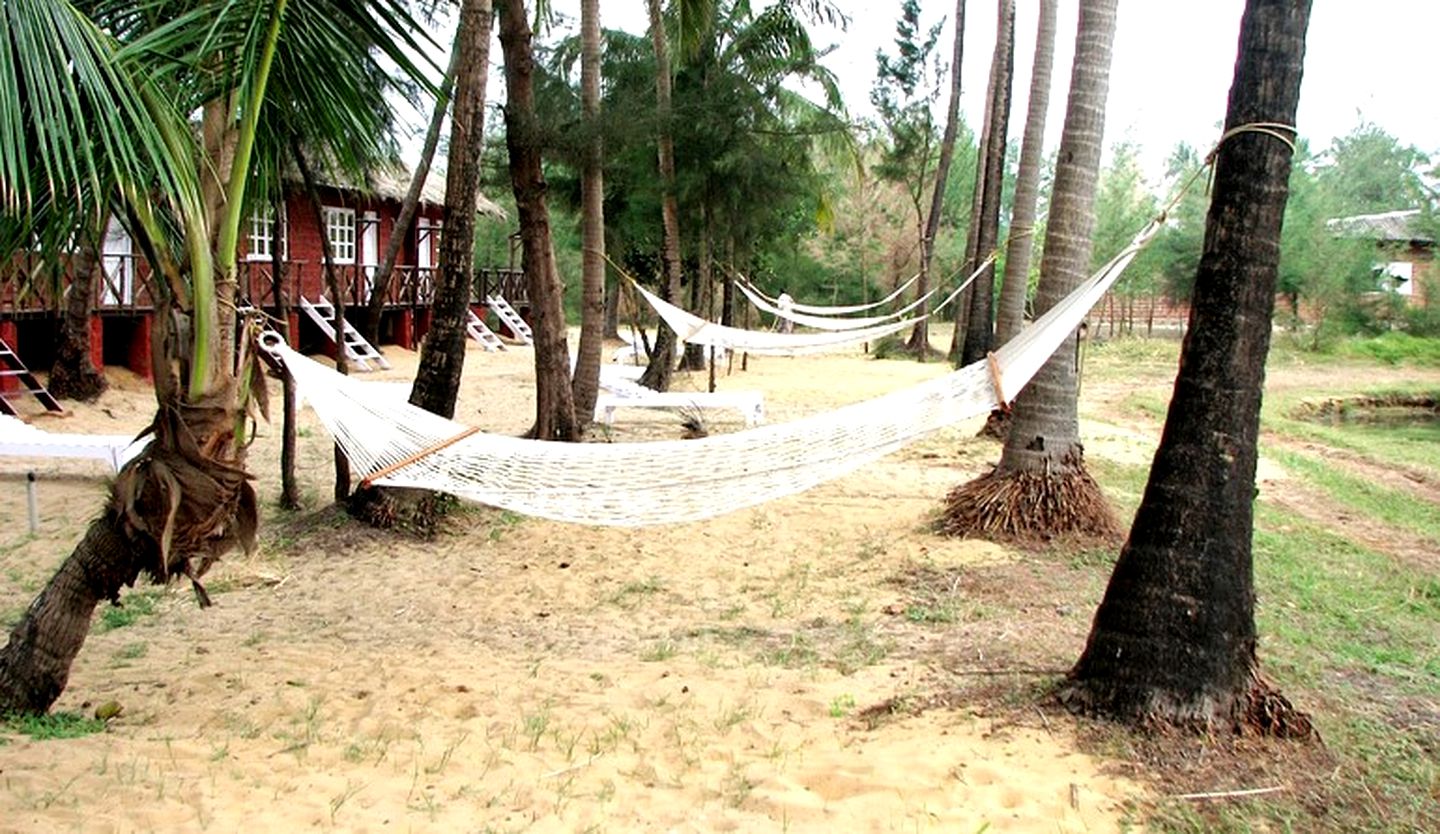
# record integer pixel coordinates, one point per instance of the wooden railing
(123, 285)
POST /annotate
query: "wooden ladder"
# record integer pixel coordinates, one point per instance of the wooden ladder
(511, 318)
(357, 350)
(12, 368)
(477, 330)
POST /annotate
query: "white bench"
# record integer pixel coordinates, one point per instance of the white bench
(20, 439)
(750, 404)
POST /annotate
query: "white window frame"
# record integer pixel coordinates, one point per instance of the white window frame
(1400, 277)
(340, 231)
(261, 237)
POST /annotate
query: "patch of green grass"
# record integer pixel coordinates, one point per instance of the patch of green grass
(631, 593)
(1355, 637)
(1394, 348)
(798, 652)
(55, 725)
(130, 651)
(1397, 508)
(658, 651)
(1401, 446)
(132, 607)
(1336, 607)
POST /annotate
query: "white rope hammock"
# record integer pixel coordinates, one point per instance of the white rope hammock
(843, 310)
(694, 330)
(761, 302)
(391, 442)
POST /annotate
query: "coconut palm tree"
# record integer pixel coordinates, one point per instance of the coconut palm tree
(662, 358)
(1040, 488)
(585, 387)
(96, 115)
(1016, 282)
(1174, 639)
(990, 174)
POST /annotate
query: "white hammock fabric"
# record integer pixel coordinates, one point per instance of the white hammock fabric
(760, 300)
(694, 330)
(844, 310)
(637, 484)
(821, 322)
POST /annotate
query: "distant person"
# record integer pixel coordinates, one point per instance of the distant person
(786, 304)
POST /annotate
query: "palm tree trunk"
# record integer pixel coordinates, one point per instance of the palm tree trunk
(35, 663)
(979, 324)
(290, 401)
(555, 417)
(1018, 254)
(1040, 488)
(442, 355)
(380, 287)
(662, 359)
(1174, 638)
(586, 385)
(73, 375)
(337, 295)
(919, 343)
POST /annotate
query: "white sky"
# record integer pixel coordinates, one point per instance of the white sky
(1172, 67)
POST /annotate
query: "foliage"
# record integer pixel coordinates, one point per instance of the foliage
(52, 726)
(745, 143)
(1368, 171)
(907, 85)
(1123, 205)
(1397, 348)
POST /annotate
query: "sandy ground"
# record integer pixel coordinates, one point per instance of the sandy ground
(513, 674)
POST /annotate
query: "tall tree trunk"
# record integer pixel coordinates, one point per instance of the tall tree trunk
(442, 354)
(290, 401)
(961, 315)
(1174, 638)
(1040, 488)
(919, 343)
(555, 417)
(188, 488)
(662, 359)
(380, 288)
(1016, 284)
(979, 325)
(586, 386)
(73, 375)
(35, 663)
(337, 295)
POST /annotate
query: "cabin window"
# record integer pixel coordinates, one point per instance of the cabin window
(1399, 277)
(262, 234)
(340, 229)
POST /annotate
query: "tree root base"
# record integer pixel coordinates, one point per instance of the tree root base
(1259, 711)
(417, 511)
(1029, 508)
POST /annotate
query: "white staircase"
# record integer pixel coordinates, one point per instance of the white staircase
(477, 330)
(357, 350)
(511, 318)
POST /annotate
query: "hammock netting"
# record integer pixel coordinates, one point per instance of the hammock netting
(662, 482)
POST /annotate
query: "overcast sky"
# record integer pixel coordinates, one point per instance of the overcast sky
(1366, 59)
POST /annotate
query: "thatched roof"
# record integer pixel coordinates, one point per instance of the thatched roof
(393, 183)
(1389, 227)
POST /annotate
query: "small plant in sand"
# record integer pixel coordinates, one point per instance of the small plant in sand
(132, 608)
(842, 705)
(56, 725)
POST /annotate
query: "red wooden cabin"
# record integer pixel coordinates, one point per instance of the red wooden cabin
(358, 222)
